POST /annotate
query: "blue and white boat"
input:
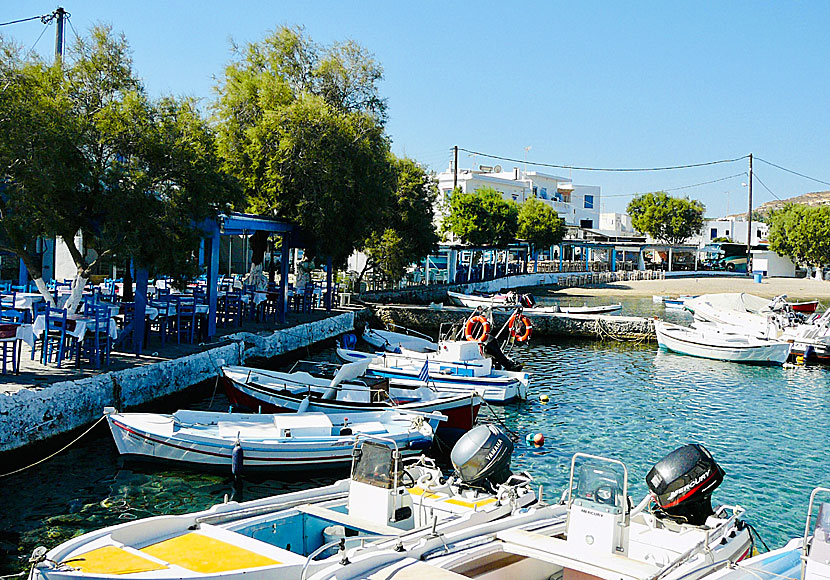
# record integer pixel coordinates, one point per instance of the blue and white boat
(268, 442)
(458, 366)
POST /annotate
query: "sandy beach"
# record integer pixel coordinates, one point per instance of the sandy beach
(794, 288)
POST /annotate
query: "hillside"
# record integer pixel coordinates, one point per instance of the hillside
(815, 198)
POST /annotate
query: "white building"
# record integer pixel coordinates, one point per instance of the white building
(578, 205)
(733, 228)
(616, 224)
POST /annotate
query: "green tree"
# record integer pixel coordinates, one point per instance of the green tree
(482, 218)
(802, 233)
(302, 127)
(670, 220)
(37, 154)
(410, 235)
(539, 224)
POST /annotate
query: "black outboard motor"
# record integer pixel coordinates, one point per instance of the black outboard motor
(683, 482)
(500, 360)
(528, 301)
(481, 457)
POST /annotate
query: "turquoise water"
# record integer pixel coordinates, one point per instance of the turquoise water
(766, 426)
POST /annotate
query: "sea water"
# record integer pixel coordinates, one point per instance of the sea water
(766, 426)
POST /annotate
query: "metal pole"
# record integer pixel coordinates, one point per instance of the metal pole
(749, 219)
(61, 14)
(455, 168)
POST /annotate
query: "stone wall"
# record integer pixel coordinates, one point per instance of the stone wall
(32, 415)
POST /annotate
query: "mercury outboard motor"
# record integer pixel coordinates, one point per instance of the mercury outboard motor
(501, 360)
(481, 457)
(683, 482)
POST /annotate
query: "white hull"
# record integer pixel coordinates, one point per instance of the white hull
(268, 441)
(395, 341)
(503, 301)
(495, 387)
(720, 346)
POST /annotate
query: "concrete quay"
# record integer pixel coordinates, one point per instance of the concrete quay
(34, 413)
(593, 326)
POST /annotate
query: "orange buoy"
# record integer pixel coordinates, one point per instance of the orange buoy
(538, 439)
(520, 327)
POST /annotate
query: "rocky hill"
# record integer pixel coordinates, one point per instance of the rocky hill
(815, 198)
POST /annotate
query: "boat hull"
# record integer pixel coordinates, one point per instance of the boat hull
(774, 353)
(134, 439)
(461, 410)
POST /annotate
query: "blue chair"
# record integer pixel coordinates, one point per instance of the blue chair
(230, 311)
(184, 321)
(54, 337)
(161, 325)
(8, 338)
(97, 343)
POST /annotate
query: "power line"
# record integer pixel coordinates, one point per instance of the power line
(793, 172)
(72, 26)
(615, 169)
(41, 17)
(42, 32)
(743, 173)
(755, 174)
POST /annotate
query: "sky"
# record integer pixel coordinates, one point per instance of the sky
(587, 84)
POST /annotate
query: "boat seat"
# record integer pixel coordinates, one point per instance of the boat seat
(348, 521)
(415, 571)
(556, 551)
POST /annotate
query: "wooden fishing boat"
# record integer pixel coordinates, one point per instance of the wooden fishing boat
(267, 442)
(347, 391)
(391, 341)
(804, 307)
(512, 300)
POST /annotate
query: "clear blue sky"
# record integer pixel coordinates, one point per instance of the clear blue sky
(599, 84)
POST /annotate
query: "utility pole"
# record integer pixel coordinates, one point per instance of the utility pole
(455, 168)
(749, 219)
(60, 13)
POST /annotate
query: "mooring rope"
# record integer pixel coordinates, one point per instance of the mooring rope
(61, 450)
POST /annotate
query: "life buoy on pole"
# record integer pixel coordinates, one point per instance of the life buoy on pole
(520, 327)
(479, 325)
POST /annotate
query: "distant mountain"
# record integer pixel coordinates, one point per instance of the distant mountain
(815, 198)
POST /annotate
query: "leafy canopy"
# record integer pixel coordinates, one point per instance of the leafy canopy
(482, 218)
(802, 233)
(539, 224)
(670, 220)
(302, 127)
(409, 235)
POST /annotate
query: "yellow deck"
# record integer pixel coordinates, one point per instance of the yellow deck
(113, 560)
(206, 555)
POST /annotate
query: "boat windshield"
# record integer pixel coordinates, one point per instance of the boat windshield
(600, 485)
(376, 464)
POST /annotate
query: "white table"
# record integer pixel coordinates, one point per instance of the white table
(80, 325)
(22, 332)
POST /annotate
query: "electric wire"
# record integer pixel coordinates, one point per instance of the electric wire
(72, 26)
(42, 32)
(793, 172)
(755, 175)
(612, 169)
(743, 173)
(41, 17)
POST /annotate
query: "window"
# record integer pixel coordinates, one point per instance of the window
(535, 191)
(543, 193)
(587, 224)
(713, 233)
(589, 202)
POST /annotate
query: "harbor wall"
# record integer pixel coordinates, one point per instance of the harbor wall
(32, 415)
(595, 326)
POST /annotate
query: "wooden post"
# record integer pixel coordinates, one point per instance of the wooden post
(285, 257)
(212, 253)
(141, 276)
(329, 297)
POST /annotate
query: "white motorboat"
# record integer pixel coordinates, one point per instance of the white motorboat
(512, 300)
(457, 367)
(393, 341)
(673, 534)
(345, 391)
(284, 441)
(753, 315)
(811, 339)
(718, 343)
(290, 536)
(805, 558)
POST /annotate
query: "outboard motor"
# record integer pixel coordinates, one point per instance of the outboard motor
(528, 301)
(501, 360)
(481, 457)
(683, 482)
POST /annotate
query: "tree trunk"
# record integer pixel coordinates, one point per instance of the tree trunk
(366, 267)
(127, 295)
(36, 274)
(81, 276)
(255, 277)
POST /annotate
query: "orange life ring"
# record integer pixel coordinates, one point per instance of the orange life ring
(483, 323)
(528, 327)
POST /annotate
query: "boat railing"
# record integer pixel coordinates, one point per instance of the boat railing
(341, 543)
(711, 537)
(392, 327)
(805, 544)
(229, 516)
